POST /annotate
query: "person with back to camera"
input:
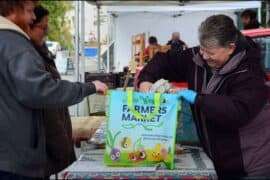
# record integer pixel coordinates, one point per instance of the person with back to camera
(177, 45)
(27, 88)
(227, 94)
(153, 43)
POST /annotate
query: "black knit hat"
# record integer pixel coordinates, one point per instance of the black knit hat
(249, 12)
(40, 12)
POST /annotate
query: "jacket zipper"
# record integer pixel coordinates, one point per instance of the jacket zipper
(203, 124)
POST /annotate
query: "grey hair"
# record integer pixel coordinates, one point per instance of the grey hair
(218, 29)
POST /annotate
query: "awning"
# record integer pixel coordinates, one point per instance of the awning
(202, 6)
(136, 3)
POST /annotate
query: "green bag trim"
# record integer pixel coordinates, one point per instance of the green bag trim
(146, 127)
(109, 138)
(136, 113)
(178, 106)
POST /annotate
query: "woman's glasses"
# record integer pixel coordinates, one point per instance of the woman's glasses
(44, 28)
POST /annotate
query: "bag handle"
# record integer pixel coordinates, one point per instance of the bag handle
(136, 113)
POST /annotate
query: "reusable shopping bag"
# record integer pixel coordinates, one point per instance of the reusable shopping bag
(141, 129)
(186, 132)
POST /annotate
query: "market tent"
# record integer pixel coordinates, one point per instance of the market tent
(196, 6)
(141, 3)
(160, 18)
(124, 7)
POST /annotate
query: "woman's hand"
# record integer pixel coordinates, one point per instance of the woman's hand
(145, 86)
(101, 88)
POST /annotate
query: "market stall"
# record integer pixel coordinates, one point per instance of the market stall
(161, 18)
(191, 164)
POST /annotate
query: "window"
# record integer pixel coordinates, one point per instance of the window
(265, 51)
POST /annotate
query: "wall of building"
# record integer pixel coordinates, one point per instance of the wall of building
(160, 25)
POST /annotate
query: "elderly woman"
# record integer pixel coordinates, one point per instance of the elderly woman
(227, 93)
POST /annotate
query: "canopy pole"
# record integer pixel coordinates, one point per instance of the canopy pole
(259, 15)
(108, 43)
(98, 37)
(77, 48)
(82, 60)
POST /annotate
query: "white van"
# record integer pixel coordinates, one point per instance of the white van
(53, 46)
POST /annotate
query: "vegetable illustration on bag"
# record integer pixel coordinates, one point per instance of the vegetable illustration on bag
(125, 142)
(138, 154)
(115, 152)
(160, 153)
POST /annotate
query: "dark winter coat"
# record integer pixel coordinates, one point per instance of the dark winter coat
(224, 111)
(58, 130)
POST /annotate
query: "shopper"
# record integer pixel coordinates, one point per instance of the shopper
(227, 93)
(177, 45)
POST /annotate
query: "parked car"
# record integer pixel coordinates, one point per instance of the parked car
(53, 46)
(262, 37)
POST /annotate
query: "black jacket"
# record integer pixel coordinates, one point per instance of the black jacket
(177, 46)
(58, 129)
